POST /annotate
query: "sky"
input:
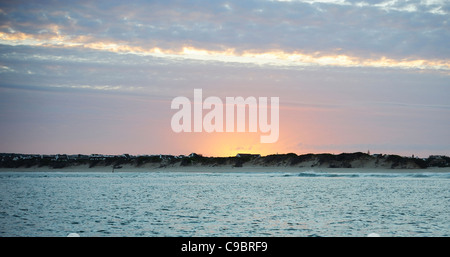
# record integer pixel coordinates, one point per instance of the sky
(99, 76)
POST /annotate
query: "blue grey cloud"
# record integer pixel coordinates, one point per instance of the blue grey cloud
(62, 97)
(355, 28)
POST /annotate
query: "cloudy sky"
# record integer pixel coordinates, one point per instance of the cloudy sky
(99, 76)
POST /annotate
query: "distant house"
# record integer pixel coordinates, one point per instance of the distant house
(240, 155)
(83, 157)
(73, 157)
(97, 157)
(61, 157)
(166, 157)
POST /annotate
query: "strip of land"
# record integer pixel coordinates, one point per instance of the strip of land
(240, 162)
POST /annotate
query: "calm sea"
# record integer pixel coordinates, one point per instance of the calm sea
(224, 204)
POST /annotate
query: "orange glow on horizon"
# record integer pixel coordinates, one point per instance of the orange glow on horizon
(223, 144)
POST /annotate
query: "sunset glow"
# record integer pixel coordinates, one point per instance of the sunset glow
(99, 78)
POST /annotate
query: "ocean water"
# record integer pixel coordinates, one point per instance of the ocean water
(224, 204)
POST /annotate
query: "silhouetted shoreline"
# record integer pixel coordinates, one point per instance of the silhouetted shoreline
(290, 160)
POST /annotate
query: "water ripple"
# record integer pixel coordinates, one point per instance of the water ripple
(224, 204)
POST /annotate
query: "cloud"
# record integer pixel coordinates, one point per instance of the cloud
(347, 72)
(350, 28)
(77, 68)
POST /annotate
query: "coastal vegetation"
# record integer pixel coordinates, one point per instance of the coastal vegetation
(325, 160)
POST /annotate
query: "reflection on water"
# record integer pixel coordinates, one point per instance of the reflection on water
(224, 204)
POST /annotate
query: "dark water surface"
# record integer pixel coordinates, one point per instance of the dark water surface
(224, 204)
